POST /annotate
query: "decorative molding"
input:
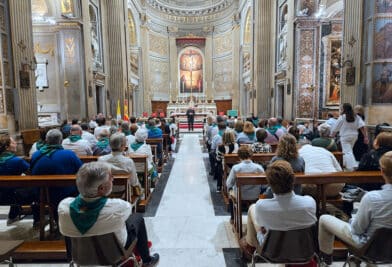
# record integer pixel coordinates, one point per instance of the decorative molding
(39, 50)
(158, 45)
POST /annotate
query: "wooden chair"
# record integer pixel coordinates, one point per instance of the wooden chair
(377, 250)
(99, 250)
(298, 246)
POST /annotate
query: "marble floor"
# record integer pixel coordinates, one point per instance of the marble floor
(184, 230)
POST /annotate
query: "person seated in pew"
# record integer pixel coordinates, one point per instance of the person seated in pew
(10, 164)
(287, 150)
(155, 132)
(103, 144)
(325, 140)
(52, 158)
(274, 131)
(75, 142)
(370, 160)
(87, 135)
(93, 213)
(285, 211)
(375, 211)
(320, 160)
(249, 192)
(124, 128)
(259, 146)
(248, 135)
(39, 143)
(119, 163)
(140, 147)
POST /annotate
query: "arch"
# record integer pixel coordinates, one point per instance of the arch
(132, 29)
(191, 79)
(247, 37)
(334, 10)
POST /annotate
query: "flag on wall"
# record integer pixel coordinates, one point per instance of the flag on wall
(126, 118)
(118, 110)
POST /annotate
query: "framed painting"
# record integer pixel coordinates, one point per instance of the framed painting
(382, 83)
(191, 71)
(383, 38)
(332, 69)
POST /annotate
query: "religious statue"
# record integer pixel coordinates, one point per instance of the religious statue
(283, 40)
(94, 45)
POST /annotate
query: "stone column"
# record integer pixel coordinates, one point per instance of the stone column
(117, 53)
(352, 40)
(23, 58)
(263, 56)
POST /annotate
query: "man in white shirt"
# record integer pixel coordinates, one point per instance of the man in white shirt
(119, 163)
(375, 211)
(86, 135)
(320, 160)
(93, 213)
(285, 211)
(75, 142)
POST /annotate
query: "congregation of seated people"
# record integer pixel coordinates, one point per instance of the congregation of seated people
(302, 150)
(57, 152)
(299, 149)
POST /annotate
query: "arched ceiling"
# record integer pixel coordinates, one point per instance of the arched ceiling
(190, 8)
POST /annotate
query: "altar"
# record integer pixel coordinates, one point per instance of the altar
(201, 108)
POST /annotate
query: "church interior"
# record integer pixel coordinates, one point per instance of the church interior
(77, 60)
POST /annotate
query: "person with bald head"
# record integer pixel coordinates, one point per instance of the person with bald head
(75, 142)
(274, 131)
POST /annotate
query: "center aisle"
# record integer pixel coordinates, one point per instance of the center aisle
(185, 230)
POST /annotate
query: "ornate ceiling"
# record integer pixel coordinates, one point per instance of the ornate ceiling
(190, 8)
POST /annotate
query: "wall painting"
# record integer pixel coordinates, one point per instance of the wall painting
(383, 39)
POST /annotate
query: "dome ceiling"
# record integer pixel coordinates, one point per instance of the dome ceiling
(190, 8)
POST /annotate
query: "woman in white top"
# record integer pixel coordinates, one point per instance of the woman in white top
(140, 147)
(347, 125)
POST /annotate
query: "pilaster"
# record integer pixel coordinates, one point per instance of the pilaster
(173, 79)
(235, 103)
(263, 56)
(117, 53)
(23, 62)
(209, 63)
(352, 41)
(145, 69)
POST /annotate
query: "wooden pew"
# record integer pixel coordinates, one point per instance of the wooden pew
(156, 142)
(261, 158)
(320, 179)
(54, 180)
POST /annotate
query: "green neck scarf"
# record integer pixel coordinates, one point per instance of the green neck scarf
(127, 132)
(135, 146)
(220, 132)
(6, 155)
(74, 138)
(40, 144)
(103, 143)
(50, 149)
(84, 214)
(273, 129)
